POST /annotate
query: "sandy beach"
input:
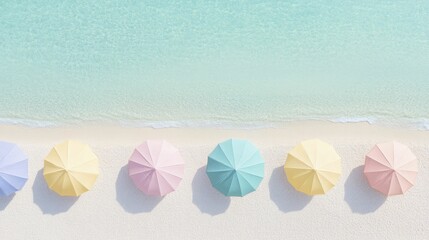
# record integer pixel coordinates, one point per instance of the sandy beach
(120, 211)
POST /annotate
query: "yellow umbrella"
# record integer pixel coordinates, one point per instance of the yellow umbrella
(71, 168)
(313, 167)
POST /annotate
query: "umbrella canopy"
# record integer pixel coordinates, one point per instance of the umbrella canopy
(156, 167)
(235, 167)
(13, 169)
(391, 168)
(71, 168)
(313, 167)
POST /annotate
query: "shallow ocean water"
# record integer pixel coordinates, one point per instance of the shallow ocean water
(217, 63)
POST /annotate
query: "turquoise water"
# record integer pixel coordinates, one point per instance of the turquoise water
(189, 63)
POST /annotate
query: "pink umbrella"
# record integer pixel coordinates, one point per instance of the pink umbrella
(391, 168)
(156, 167)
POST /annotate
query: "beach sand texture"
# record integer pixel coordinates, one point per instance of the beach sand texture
(115, 209)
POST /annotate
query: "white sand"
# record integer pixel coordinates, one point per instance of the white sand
(114, 209)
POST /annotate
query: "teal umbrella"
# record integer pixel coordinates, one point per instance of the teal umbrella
(235, 167)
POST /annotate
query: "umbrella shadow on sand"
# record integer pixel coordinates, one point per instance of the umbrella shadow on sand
(360, 197)
(207, 198)
(47, 200)
(284, 195)
(130, 197)
(4, 201)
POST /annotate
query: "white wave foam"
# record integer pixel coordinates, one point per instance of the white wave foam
(369, 120)
(420, 124)
(425, 125)
(27, 122)
(197, 124)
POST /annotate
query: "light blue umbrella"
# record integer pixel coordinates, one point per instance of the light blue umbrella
(235, 167)
(13, 169)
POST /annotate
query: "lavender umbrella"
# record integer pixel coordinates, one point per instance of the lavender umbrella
(13, 169)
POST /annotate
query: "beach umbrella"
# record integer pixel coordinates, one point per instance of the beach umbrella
(13, 169)
(156, 167)
(71, 168)
(235, 167)
(391, 168)
(313, 167)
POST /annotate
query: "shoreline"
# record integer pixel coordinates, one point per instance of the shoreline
(288, 133)
(412, 124)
